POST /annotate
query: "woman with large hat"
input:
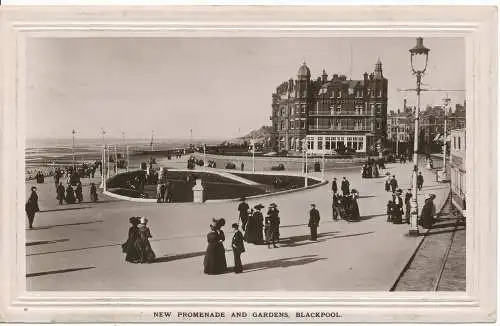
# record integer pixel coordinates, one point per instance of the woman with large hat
(129, 247)
(215, 256)
(426, 216)
(254, 227)
(145, 252)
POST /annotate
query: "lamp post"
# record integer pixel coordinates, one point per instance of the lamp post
(323, 166)
(73, 148)
(442, 174)
(419, 55)
(204, 156)
(304, 148)
(253, 155)
(103, 160)
(397, 139)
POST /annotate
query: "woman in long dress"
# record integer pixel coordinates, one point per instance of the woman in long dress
(93, 192)
(253, 233)
(79, 192)
(129, 247)
(144, 250)
(215, 256)
(31, 207)
(70, 195)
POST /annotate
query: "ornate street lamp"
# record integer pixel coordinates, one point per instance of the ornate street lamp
(419, 55)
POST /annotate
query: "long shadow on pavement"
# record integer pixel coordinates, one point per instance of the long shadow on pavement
(302, 240)
(59, 271)
(281, 263)
(37, 243)
(168, 258)
(369, 217)
(68, 224)
(64, 209)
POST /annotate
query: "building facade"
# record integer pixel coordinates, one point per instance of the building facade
(400, 129)
(330, 115)
(458, 168)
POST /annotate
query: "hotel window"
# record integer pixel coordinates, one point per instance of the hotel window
(379, 107)
(302, 124)
(454, 142)
(380, 93)
(338, 108)
(310, 143)
(327, 142)
(349, 142)
(303, 108)
(459, 143)
(320, 143)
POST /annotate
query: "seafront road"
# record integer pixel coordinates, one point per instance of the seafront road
(78, 247)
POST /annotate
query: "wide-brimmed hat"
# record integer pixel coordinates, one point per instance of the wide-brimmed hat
(427, 196)
(313, 205)
(133, 220)
(273, 205)
(144, 220)
(388, 173)
(259, 206)
(399, 191)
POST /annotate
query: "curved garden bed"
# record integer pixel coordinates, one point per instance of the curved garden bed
(216, 186)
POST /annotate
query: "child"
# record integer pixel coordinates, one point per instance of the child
(390, 210)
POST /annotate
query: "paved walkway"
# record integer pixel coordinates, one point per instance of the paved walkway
(77, 247)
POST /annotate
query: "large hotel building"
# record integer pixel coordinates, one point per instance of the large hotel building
(330, 113)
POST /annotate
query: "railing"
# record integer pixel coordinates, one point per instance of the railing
(314, 128)
(339, 113)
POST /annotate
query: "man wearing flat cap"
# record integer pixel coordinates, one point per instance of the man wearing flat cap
(314, 222)
(238, 248)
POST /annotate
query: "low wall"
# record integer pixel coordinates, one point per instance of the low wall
(154, 200)
(292, 164)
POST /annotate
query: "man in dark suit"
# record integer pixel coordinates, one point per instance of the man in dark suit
(334, 186)
(238, 248)
(243, 210)
(420, 181)
(345, 187)
(314, 222)
(394, 184)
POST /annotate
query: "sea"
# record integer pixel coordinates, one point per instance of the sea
(48, 152)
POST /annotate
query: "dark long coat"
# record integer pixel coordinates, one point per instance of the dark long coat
(272, 227)
(243, 211)
(144, 251)
(345, 186)
(426, 216)
(253, 233)
(79, 192)
(215, 257)
(334, 186)
(238, 248)
(60, 192)
(70, 195)
(313, 218)
(31, 206)
(129, 247)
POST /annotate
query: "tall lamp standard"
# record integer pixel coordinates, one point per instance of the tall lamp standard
(73, 148)
(304, 148)
(442, 174)
(103, 161)
(419, 55)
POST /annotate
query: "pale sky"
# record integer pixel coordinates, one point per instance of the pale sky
(216, 86)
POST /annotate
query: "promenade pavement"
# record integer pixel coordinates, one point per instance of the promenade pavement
(78, 247)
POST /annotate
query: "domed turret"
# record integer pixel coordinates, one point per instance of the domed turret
(378, 70)
(304, 72)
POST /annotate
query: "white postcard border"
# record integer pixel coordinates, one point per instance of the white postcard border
(478, 25)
